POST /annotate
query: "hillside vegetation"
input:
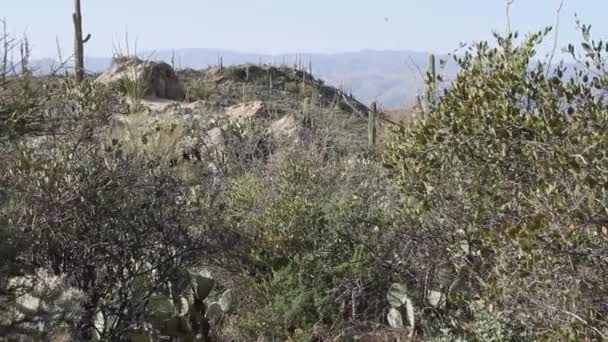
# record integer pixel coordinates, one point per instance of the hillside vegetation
(125, 218)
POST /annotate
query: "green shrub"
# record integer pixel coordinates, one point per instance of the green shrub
(303, 225)
(504, 183)
(72, 207)
(198, 90)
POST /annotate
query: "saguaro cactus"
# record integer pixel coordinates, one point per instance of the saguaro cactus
(79, 42)
(306, 113)
(270, 84)
(371, 125)
(431, 81)
(25, 56)
(310, 65)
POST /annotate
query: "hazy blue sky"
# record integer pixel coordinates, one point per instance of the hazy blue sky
(275, 26)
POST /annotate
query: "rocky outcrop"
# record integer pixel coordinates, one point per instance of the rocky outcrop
(285, 127)
(160, 79)
(248, 110)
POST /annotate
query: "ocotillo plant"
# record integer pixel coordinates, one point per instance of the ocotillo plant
(371, 125)
(79, 42)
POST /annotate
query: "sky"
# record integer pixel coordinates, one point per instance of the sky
(282, 26)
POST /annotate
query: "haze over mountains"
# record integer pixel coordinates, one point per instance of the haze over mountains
(393, 78)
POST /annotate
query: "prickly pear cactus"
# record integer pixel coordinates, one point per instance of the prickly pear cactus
(229, 301)
(201, 282)
(204, 283)
(214, 312)
(397, 295)
(161, 307)
(183, 307)
(395, 320)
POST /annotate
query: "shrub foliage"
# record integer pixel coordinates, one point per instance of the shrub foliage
(505, 190)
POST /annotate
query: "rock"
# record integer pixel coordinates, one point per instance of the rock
(285, 127)
(164, 106)
(161, 106)
(214, 139)
(161, 80)
(247, 110)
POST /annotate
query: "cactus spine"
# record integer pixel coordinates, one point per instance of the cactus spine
(79, 42)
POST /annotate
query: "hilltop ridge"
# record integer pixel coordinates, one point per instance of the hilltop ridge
(393, 78)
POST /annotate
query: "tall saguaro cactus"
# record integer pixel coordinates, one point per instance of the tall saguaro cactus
(430, 90)
(79, 42)
(371, 125)
(431, 82)
(25, 56)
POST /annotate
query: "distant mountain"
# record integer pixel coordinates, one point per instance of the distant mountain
(392, 78)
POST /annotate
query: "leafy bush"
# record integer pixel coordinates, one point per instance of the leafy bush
(504, 185)
(92, 216)
(302, 225)
(197, 90)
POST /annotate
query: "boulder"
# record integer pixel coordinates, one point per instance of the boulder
(247, 110)
(160, 78)
(164, 106)
(285, 127)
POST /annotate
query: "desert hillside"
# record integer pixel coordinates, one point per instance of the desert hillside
(392, 78)
(148, 201)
